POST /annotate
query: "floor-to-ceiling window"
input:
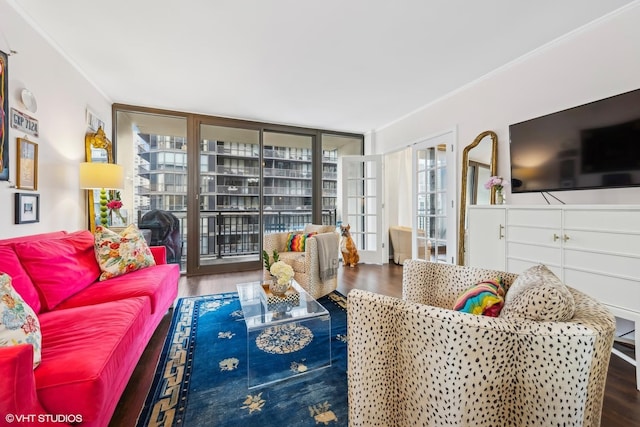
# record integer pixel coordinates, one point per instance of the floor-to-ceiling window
(228, 181)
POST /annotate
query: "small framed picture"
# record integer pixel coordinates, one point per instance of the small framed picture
(27, 208)
(27, 164)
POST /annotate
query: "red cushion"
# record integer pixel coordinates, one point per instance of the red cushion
(88, 355)
(60, 267)
(10, 264)
(18, 391)
(159, 283)
(32, 237)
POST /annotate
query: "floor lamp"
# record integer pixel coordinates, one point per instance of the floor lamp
(101, 176)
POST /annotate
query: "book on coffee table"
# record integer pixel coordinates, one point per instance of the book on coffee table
(290, 298)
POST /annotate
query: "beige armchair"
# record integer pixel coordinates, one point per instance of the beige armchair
(307, 265)
(401, 243)
(414, 361)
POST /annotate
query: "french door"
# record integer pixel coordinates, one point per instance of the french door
(434, 224)
(362, 204)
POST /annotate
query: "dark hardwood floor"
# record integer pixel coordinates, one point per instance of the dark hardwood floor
(621, 402)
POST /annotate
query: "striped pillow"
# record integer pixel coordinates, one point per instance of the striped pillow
(486, 298)
(296, 242)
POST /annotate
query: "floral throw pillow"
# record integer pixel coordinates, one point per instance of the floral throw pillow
(121, 253)
(18, 322)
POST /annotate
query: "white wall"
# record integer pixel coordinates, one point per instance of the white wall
(595, 62)
(63, 95)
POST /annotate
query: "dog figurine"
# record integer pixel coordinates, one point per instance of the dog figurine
(348, 248)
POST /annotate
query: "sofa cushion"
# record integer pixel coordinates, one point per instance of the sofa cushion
(538, 294)
(32, 237)
(59, 267)
(296, 260)
(159, 283)
(486, 298)
(88, 355)
(121, 253)
(296, 242)
(18, 322)
(20, 280)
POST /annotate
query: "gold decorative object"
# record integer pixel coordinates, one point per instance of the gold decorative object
(27, 163)
(100, 179)
(486, 137)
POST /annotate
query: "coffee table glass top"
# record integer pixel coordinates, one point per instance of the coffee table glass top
(292, 332)
(260, 312)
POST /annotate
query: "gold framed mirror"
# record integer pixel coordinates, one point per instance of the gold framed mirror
(98, 149)
(479, 162)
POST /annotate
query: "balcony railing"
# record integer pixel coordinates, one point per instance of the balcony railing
(229, 234)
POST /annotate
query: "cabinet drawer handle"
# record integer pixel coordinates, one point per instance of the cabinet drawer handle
(555, 237)
(566, 237)
(501, 232)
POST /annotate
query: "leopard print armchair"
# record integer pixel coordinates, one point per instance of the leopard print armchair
(306, 265)
(416, 362)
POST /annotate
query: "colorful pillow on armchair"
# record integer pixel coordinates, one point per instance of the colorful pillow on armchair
(122, 253)
(18, 322)
(296, 242)
(486, 298)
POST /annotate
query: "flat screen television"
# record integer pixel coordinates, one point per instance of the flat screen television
(596, 145)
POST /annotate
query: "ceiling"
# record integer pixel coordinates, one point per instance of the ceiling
(348, 65)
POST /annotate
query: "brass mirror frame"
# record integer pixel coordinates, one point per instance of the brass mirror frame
(97, 140)
(463, 189)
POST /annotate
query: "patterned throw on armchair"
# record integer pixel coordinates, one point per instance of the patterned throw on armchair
(415, 361)
(313, 255)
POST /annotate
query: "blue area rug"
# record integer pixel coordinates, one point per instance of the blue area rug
(201, 378)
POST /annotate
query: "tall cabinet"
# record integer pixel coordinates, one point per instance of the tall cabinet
(593, 248)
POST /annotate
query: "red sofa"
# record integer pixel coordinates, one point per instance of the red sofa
(93, 332)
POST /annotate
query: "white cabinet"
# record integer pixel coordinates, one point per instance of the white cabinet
(486, 229)
(593, 248)
(534, 237)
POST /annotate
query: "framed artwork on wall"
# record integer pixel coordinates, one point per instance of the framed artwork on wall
(27, 165)
(27, 208)
(4, 118)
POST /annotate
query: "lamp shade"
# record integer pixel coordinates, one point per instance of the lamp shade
(101, 175)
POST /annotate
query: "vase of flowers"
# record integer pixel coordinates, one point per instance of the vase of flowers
(114, 205)
(282, 274)
(498, 183)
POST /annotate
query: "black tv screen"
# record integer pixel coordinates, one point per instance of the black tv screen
(596, 145)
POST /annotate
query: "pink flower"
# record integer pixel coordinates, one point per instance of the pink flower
(114, 204)
(29, 325)
(496, 181)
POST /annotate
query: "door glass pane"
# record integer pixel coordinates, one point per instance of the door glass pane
(355, 204)
(333, 148)
(229, 195)
(430, 199)
(356, 187)
(287, 181)
(152, 150)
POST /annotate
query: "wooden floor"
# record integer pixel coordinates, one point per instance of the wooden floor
(621, 401)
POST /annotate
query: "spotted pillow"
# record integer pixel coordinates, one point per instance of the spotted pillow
(122, 253)
(18, 322)
(486, 298)
(538, 294)
(296, 242)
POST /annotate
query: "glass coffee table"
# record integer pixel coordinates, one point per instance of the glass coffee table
(286, 336)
